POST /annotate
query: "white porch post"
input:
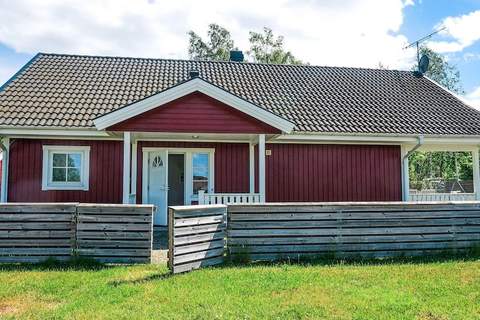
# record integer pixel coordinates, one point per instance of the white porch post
(133, 184)
(405, 175)
(252, 166)
(261, 166)
(476, 173)
(127, 156)
(5, 157)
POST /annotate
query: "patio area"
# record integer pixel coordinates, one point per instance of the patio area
(160, 245)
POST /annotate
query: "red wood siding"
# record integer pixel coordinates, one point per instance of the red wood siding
(231, 164)
(25, 172)
(296, 172)
(195, 112)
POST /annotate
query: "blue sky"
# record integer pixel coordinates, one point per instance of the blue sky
(422, 18)
(361, 33)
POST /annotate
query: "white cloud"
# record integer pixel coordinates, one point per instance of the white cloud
(349, 33)
(464, 31)
(474, 98)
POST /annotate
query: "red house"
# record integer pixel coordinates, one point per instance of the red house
(113, 130)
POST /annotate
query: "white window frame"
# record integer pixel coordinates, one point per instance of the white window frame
(48, 184)
(210, 182)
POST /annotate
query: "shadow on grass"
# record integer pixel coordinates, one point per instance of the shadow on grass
(330, 259)
(152, 277)
(51, 264)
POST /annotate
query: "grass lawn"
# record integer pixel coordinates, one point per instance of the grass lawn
(408, 290)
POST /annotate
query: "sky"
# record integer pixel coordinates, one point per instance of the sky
(361, 33)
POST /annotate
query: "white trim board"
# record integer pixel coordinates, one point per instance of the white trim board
(185, 88)
(42, 133)
(375, 138)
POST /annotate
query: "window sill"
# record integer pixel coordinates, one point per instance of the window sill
(65, 188)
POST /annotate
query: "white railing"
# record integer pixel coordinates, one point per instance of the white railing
(224, 198)
(442, 196)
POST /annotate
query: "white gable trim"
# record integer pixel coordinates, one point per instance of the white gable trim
(196, 84)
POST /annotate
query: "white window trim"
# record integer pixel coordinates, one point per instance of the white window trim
(47, 184)
(211, 168)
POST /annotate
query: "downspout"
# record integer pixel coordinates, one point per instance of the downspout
(406, 178)
(415, 148)
(5, 156)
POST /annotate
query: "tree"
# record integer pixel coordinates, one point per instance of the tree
(216, 49)
(434, 170)
(265, 48)
(441, 71)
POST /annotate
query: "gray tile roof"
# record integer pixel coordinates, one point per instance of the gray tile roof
(70, 91)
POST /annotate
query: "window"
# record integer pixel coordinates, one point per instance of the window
(65, 168)
(201, 171)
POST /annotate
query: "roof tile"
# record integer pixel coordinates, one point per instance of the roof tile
(76, 89)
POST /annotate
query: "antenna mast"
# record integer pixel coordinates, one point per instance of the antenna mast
(417, 42)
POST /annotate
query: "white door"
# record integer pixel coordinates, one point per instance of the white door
(157, 184)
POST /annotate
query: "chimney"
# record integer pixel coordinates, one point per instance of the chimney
(236, 55)
(194, 74)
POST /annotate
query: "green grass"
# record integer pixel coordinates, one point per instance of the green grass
(394, 290)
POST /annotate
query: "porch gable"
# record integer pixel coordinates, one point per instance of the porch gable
(195, 113)
(258, 119)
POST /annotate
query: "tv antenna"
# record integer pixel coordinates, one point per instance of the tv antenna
(422, 65)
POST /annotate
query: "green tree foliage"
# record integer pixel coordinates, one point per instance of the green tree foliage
(428, 169)
(441, 71)
(266, 48)
(217, 48)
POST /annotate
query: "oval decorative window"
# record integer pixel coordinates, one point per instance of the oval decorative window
(157, 162)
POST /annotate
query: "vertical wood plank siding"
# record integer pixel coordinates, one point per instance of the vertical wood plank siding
(195, 112)
(231, 164)
(296, 172)
(25, 172)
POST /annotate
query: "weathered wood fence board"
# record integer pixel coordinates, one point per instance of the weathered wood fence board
(106, 233)
(36, 232)
(371, 230)
(196, 236)
(112, 233)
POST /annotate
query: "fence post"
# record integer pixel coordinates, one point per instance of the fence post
(171, 244)
(74, 251)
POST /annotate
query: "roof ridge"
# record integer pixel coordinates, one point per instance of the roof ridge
(220, 62)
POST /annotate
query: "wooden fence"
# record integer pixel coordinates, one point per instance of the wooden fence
(35, 232)
(372, 230)
(196, 236)
(107, 233)
(114, 233)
